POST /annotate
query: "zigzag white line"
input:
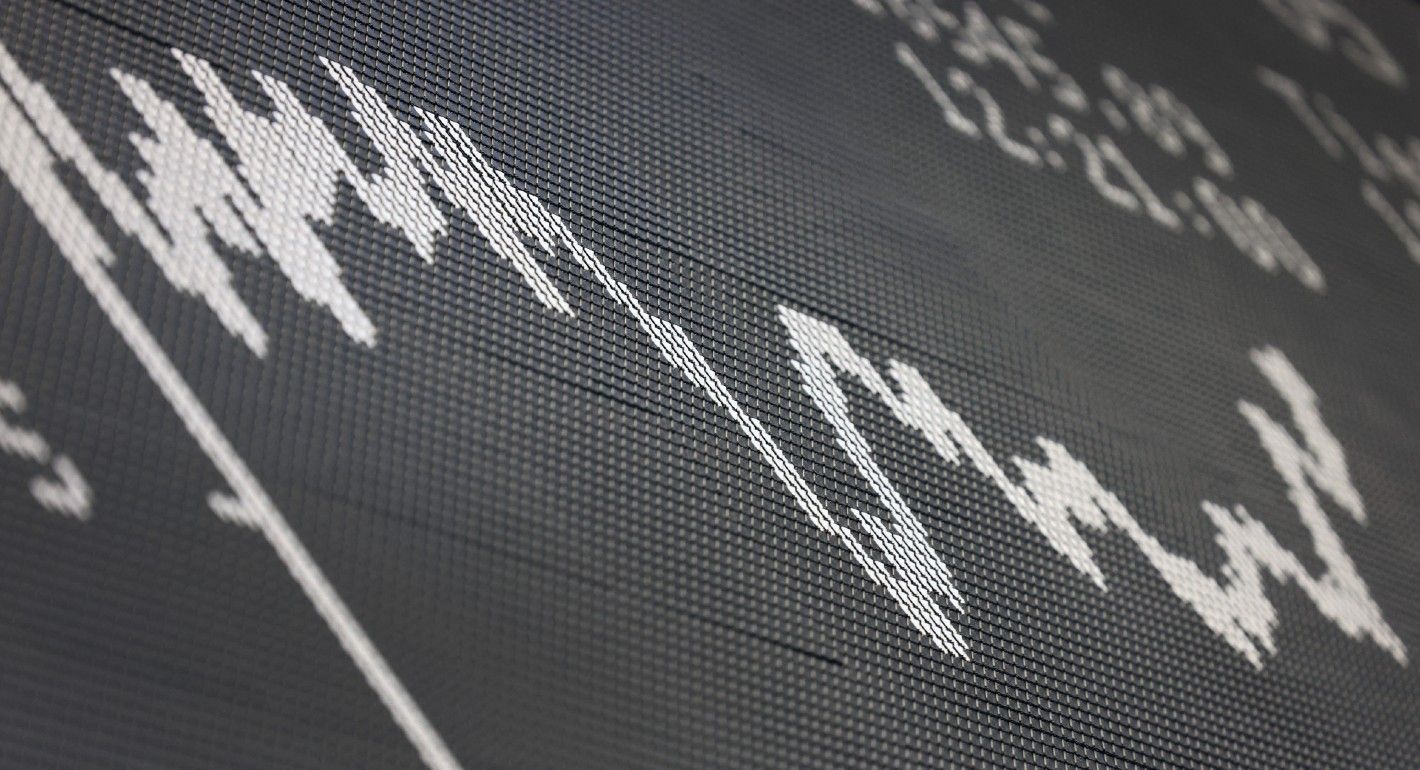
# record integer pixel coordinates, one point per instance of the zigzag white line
(29, 163)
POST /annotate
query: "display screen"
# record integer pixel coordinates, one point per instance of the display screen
(710, 383)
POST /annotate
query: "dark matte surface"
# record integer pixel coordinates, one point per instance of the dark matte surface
(567, 554)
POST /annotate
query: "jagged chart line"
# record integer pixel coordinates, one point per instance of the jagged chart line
(1058, 494)
(28, 162)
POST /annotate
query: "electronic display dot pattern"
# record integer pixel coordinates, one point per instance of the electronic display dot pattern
(567, 554)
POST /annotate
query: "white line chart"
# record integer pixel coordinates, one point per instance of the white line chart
(26, 157)
(290, 167)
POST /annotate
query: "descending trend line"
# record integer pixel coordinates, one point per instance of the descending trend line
(29, 163)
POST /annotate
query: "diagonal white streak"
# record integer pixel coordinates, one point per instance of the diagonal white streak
(29, 164)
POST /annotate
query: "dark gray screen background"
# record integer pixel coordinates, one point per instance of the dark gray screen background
(571, 557)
